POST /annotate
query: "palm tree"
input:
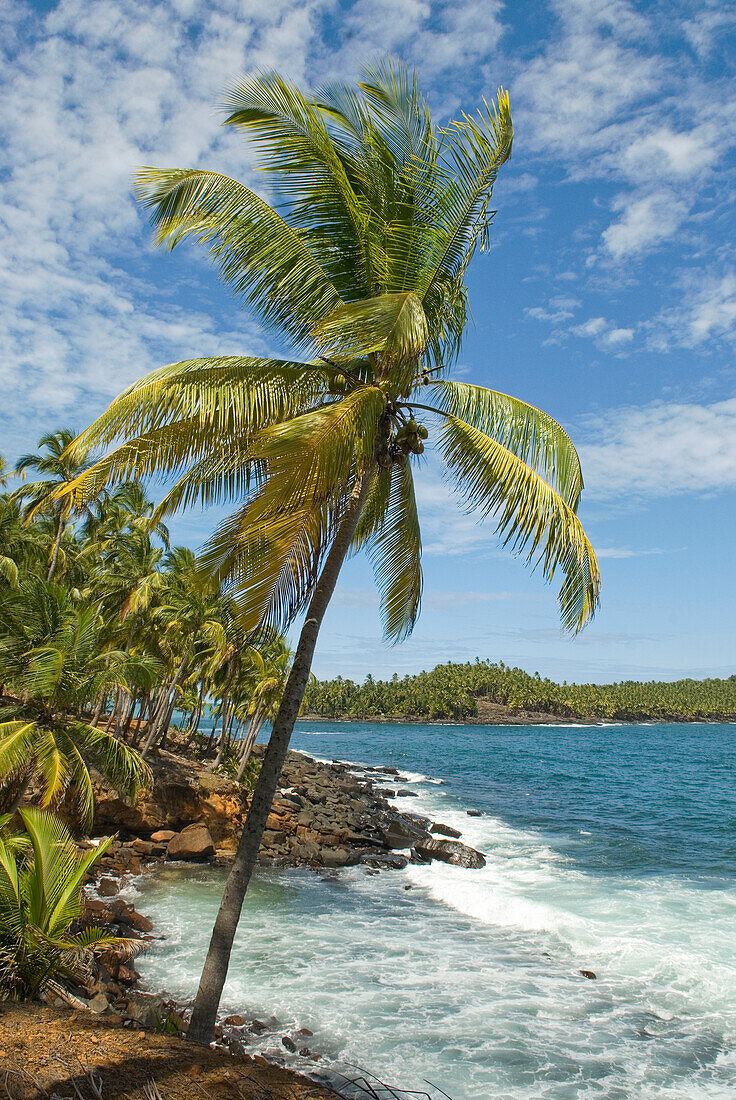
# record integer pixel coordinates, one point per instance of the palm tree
(59, 467)
(362, 259)
(40, 898)
(51, 658)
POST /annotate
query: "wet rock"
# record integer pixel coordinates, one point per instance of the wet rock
(590, 974)
(445, 830)
(192, 843)
(304, 1033)
(406, 794)
(451, 851)
(258, 1026)
(108, 887)
(140, 923)
(335, 857)
(474, 813)
(163, 836)
(288, 1042)
(236, 1020)
(386, 862)
(397, 832)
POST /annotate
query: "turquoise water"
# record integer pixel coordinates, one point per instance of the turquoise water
(611, 849)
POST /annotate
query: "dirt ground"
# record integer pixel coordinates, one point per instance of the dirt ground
(48, 1052)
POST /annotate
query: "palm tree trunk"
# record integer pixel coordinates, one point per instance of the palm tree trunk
(214, 973)
(163, 717)
(57, 543)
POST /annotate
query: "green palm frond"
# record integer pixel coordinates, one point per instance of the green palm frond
(395, 551)
(311, 175)
(533, 436)
(258, 253)
(393, 324)
(531, 516)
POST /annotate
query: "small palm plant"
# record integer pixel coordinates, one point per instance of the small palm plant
(41, 878)
(361, 263)
(50, 659)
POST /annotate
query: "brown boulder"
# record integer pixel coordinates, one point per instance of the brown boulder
(108, 887)
(192, 843)
(163, 836)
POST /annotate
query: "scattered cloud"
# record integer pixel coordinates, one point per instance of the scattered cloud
(661, 450)
(706, 312)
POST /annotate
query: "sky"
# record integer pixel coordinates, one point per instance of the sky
(608, 296)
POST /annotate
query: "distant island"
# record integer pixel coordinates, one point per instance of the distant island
(484, 692)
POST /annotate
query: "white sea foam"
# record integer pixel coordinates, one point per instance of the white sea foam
(471, 978)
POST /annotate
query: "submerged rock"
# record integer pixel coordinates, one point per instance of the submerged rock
(451, 851)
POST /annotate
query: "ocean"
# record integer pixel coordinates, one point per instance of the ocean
(610, 849)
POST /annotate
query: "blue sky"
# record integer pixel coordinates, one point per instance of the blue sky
(608, 296)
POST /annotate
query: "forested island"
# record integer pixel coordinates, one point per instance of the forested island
(483, 691)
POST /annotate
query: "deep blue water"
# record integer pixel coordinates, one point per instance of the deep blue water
(609, 848)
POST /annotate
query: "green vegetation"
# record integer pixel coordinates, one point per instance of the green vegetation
(41, 878)
(453, 691)
(361, 263)
(104, 631)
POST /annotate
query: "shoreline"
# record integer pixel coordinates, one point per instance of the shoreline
(525, 719)
(388, 839)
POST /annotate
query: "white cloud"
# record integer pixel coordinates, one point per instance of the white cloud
(660, 450)
(593, 327)
(705, 312)
(644, 222)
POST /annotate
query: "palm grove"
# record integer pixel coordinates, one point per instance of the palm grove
(360, 262)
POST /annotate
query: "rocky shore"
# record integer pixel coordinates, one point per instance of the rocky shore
(325, 816)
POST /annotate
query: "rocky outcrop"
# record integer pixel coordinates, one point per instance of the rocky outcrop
(324, 815)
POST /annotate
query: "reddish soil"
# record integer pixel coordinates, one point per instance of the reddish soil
(48, 1052)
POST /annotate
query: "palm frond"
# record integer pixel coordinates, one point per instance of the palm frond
(311, 174)
(531, 516)
(394, 548)
(392, 323)
(258, 253)
(531, 434)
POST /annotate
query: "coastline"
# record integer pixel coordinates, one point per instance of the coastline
(325, 817)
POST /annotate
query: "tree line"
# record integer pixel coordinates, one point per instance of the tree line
(454, 691)
(105, 630)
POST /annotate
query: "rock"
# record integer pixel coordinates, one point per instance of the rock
(445, 830)
(192, 843)
(236, 1020)
(98, 1003)
(397, 832)
(474, 813)
(140, 923)
(335, 857)
(304, 1033)
(163, 836)
(108, 887)
(406, 794)
(386, 862)
(258, 1026)
(590, 974)
(451, 851)
(143, 847)
(288, 1042)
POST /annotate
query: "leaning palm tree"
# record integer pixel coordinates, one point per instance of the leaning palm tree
(56, 466)
(362, 260)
